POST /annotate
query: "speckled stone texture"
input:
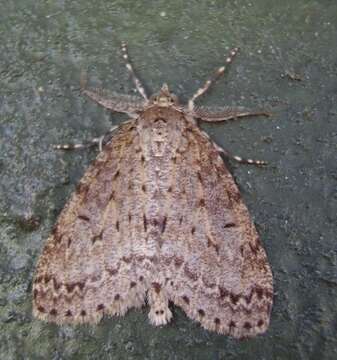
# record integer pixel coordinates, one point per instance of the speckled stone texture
(43, 48)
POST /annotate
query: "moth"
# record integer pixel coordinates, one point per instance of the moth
(157, 219)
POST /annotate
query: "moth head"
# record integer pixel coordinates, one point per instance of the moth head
(164, 98)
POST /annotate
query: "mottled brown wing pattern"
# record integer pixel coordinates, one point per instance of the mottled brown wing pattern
(217, 270)
(76, 278)
(157, 217)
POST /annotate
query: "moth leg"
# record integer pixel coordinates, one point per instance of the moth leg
(160, 313)
(219, 72)
(239, 159)
(136, 81)
(225, 113)
(127, 104)
(100, 141)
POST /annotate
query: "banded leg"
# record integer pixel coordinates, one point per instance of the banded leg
(239, 159)
(225, 113)
(219, 72)
(100, 141)
(136, 81)
(112, 101)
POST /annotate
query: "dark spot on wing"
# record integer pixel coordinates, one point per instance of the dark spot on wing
(53, 312)
(115, 176)
(97, 237)
(157, 287)
(145, 222)
(83, 217)
(163, 227)
(201, 312)
(229, 225)
(186, 299)
(247, 325)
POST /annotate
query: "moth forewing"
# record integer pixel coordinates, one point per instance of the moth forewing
(157, 217)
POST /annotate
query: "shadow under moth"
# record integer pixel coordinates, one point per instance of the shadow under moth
(158, 219)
